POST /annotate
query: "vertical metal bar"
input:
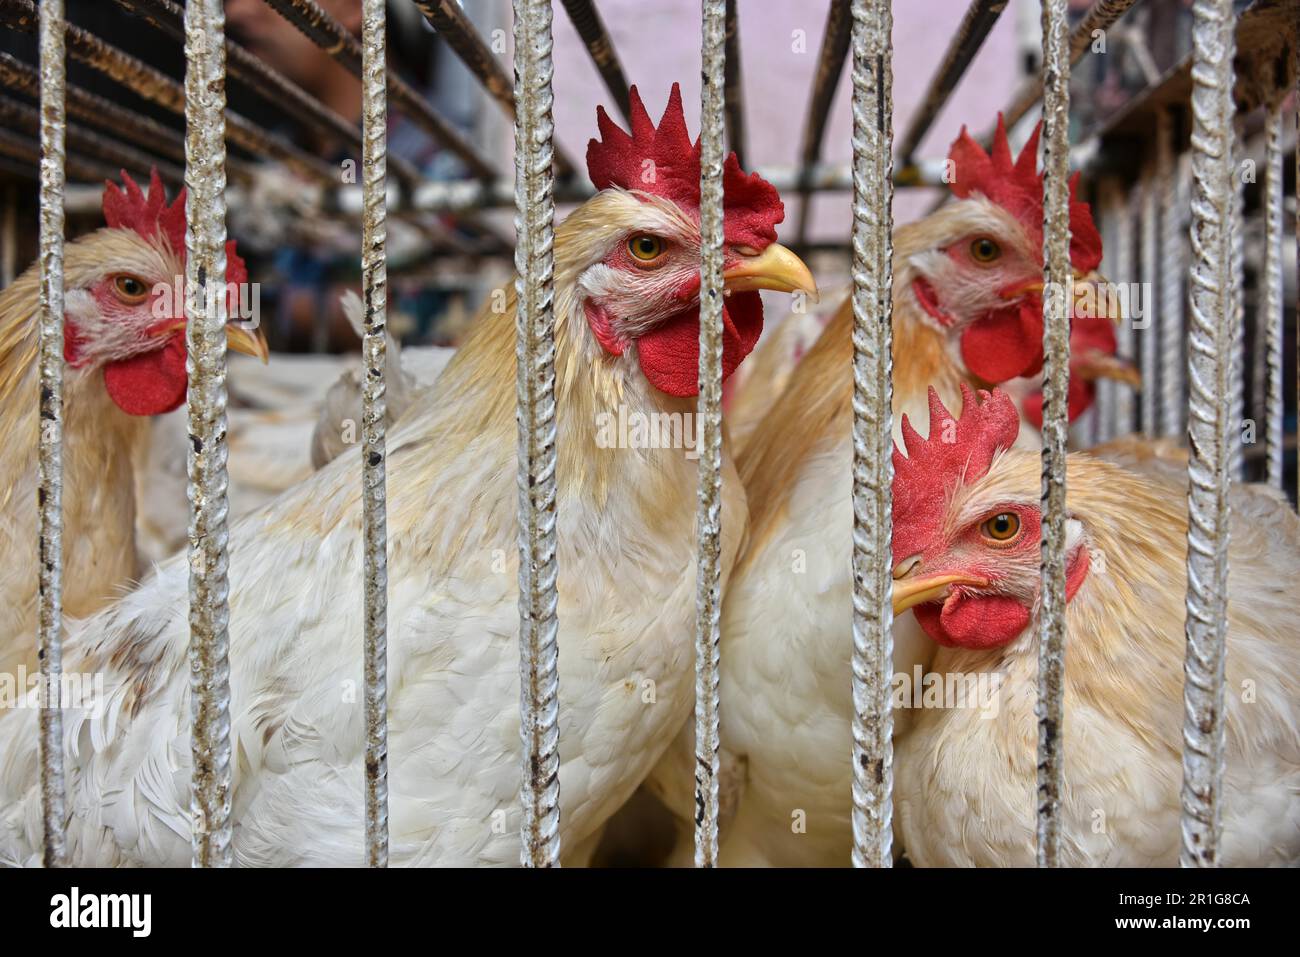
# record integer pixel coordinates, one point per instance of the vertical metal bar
(600, 46)
(1237, 379)
(873, 469)
(1056, 381)
(1150, 280)
(1103, 422)
(50, 493)
(374, 501)
(1209, 410)
(205, 341)
(1269, 328)
(9, 238)
(1171, 174)
(539, 693)
(1126, 272)
(735, 98)
(708, 516)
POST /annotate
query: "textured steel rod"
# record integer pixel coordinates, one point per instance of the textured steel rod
(9, 237)
(328, 34)
(143, 132)
(1209, 410)
(1102, 424)
(157, 87)
(535, 317)
(830, 64)
(1237, 379)
(14, 113)
(374, 500)
(205, 341)
(1125, 272)
(708, 515)
(735, 95)
(1100, 16)
(257, 75)
(586, 20)
(1150, 288)
(873, 469)
(50, 492)
(1172, 174)
(1056, 382)
(28, 152)
(971, 33)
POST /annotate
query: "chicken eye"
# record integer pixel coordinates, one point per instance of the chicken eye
(985, 250)
(645, 247)
(1002, 527)
(130, 289)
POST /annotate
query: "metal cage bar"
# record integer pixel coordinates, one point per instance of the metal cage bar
(1100, 16)
(1237, 380)
(374, 498)
(535, 318)
(600, 46)
(1056, 380)
(873, 469)
(830, 64)
(1209, 409)
(734, 94)
(1125, 271)
(1172, 174)
(205, 342)
(980, 18)
(328, 34)
(50, 493)
(1149, 277)
(708, 514)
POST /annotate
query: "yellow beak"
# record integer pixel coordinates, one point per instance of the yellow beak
(774, 268)
(248, 340)
(1090, 288)
(917, 591)
(251, 342)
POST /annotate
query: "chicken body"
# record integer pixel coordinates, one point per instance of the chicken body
(99, 440)
(965, 307)
(124, 353)
(965, 777)
(626, 596)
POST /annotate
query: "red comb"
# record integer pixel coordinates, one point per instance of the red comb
(662, 160)
(1017, 187)
(128, 207)
(958, 450)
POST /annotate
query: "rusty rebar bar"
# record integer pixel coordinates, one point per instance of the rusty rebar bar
(586, 20)
(535, 391)
(53, 67)
(873, 471)
(205, 342)
(1056, 382)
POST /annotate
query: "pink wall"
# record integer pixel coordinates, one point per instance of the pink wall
(658, 43)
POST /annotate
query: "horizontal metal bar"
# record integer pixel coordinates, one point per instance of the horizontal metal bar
(830, 64)
(474, 194)
(734, 86)
(1100, 16)
(328, 34)
(28, 151)
(269, 83)
(971, 33)
(28, 118)
(159, 88)
(586, 20)
(145, 133)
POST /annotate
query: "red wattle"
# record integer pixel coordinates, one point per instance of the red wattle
(1005, 344)
(973, 621)
(670, 353)
(149, 383)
